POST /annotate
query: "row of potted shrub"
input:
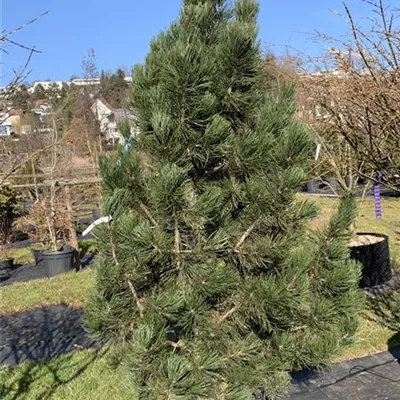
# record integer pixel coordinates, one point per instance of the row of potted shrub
(41, 226)
(370, 249)
(54, 262)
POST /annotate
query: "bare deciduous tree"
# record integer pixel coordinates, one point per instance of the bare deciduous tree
(22, 72)
(358, 103)
(19, 75)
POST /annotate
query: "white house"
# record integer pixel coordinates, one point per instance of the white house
(85, 81)
(10, 123)
(5, 125)
(93, 81)
(46, 85)
(42, 109)
(76, 81)
(109, 119)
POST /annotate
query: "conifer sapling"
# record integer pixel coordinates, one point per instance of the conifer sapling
(208, 278)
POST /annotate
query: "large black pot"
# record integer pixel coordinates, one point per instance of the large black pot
(58, 262)
(375, 261)
(6, 268)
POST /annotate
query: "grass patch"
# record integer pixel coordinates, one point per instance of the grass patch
(372, 337)
(21, 255)
(84, 375)
(71, 288)
(366, 221)
(374, 334)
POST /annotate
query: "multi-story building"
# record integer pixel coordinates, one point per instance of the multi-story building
(47, 85)
(109, 118)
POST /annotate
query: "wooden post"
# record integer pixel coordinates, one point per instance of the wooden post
(71, 227)
(72, 233)
(35, 180)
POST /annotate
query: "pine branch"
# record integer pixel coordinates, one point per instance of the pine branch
(245, 236)
(147, 212)
(177, 238)
(136, 298)
(227, 314)
(177, 243)
(113, 247)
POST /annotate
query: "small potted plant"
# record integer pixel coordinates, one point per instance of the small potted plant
(9, 211)
(50, 218)
(6, 263)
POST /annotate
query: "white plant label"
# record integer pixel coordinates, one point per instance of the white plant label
(95, 223)
(318, 151)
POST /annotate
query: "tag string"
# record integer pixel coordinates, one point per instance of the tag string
(377, 196)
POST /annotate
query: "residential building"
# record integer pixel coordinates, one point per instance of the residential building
(92, 81)
(10, 123)
(42, 109)
(85, 81)
(47, 85)
(109, 118)
(5, 125)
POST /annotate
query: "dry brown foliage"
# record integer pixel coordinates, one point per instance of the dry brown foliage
(44, 226)
(355, 109)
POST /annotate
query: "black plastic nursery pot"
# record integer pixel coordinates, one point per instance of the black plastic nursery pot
(76, 258)
(96, 214)
(6, 268)
(374, 259)
(332, 183)
(312, 186)
(38, 256)
(347, 181)
(58, 262)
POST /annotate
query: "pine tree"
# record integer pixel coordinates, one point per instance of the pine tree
(39, 93)
(20, 98)
(208, 278)
(114, 88)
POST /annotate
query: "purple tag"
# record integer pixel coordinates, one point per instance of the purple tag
(377, 195)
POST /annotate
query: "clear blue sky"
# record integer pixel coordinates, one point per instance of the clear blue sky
(120, 30)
